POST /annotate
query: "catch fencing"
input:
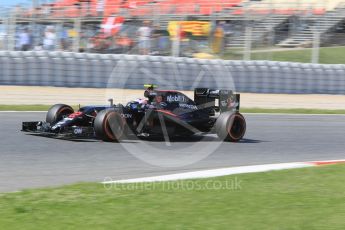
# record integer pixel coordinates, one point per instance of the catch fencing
(65, 69)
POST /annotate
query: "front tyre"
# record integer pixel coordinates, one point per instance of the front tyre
(57, 112)
(231, 126)
(109, 125)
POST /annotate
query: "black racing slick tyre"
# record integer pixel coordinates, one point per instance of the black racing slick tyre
(109, 125)
(57, 112)
(230, 126)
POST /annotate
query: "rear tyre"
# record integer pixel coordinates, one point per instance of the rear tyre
(231, 126)
(57, 112)
(109, 125)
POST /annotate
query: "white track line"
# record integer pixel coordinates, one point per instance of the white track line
(215, 172)
(223, 172)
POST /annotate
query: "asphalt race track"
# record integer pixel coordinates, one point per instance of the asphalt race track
(28, 161)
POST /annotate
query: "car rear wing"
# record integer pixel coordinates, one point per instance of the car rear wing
(217, 100)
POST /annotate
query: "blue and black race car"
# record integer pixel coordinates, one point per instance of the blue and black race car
(160, 113)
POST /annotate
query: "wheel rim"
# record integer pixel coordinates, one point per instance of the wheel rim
(63, 112)
(236, 127)
(113, 126)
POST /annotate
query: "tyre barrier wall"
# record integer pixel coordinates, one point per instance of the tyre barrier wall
(65, 69)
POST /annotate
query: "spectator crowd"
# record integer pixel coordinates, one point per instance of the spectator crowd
(133, 38)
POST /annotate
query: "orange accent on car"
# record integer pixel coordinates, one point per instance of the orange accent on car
(167, 112)
(75, 114)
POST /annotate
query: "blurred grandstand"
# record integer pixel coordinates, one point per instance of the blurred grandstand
(111, 26)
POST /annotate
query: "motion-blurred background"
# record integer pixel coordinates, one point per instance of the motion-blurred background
(278, 30)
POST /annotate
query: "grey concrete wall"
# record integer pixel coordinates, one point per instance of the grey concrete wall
(132, 71)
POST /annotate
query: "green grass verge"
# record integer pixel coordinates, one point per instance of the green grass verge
(301, 199)
(243, 110)
(27, 107)
(328, 55)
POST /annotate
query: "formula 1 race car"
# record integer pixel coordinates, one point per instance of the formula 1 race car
(163, 113)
